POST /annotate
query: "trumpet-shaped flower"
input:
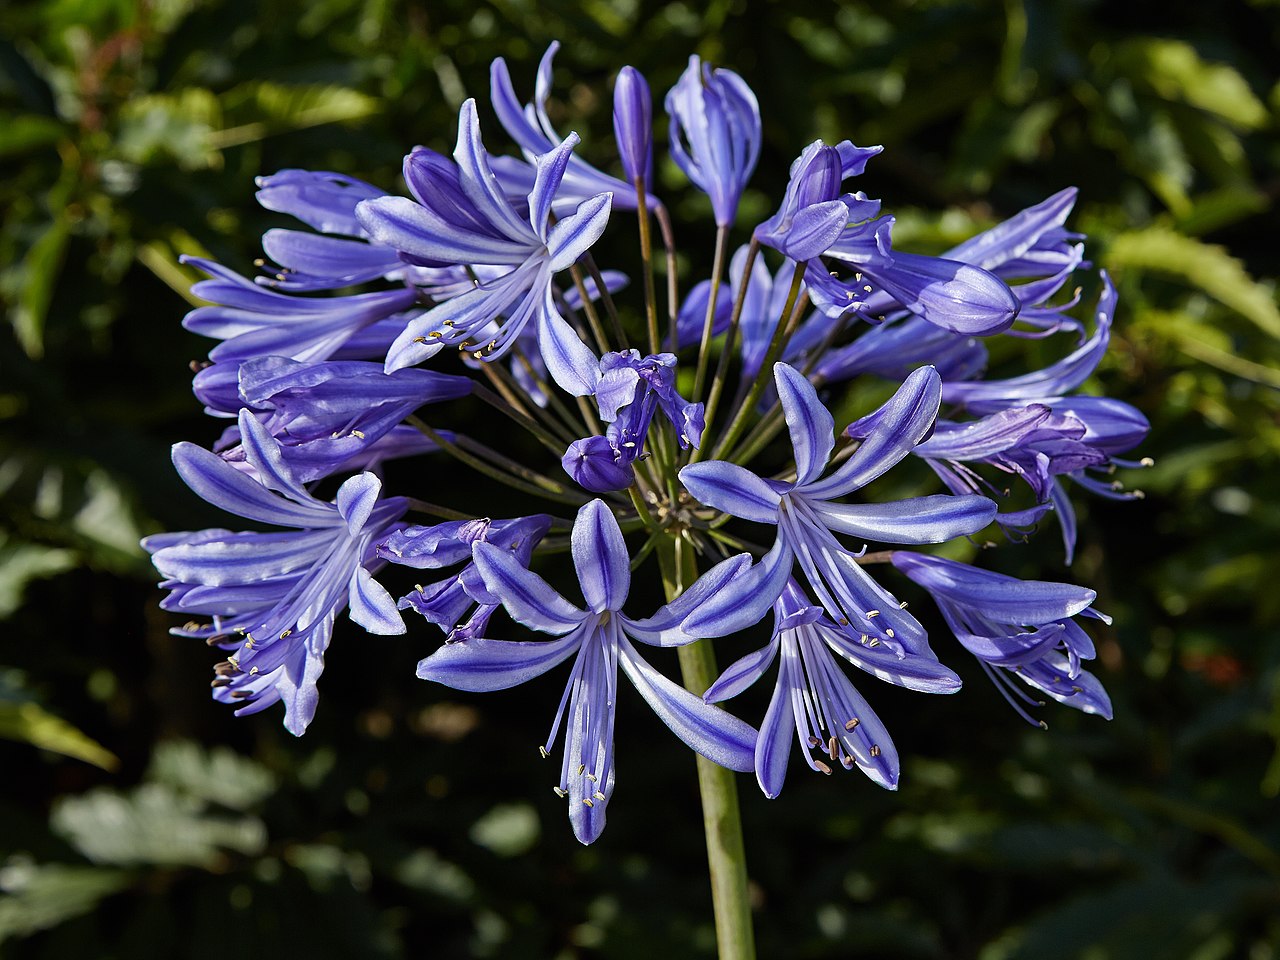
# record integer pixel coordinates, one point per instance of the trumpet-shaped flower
(599, 639)
(274, 597)
(808, 516)
(462, 217)
(813, 697)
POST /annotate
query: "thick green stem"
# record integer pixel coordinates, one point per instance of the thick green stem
(721, 820)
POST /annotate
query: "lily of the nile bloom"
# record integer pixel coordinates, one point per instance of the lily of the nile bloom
(599, 639)
(462, 595)
(715, 134)
(632, 389)
(893, 644)
(950, 294)
(253, 322)
(274, 597)
(812, 215)
(531, 128)
(339, 255)
(1031, 442)
(462, 217)
(330, 415)
(1019, 627)
(813, 697)
(1111, 426)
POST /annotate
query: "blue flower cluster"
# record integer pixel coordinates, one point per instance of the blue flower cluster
(478, 288)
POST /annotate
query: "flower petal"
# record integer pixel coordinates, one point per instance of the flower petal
(571, 363)
(810, 424)
(481, 665)
(663, 629)
(733, 489)
(742, 673)
(573, 236)
(933, 519)
(356, 500)
(904, 420)
(600, 557)
(745, 599)
(372, 606)
(528, 598)
(720, 737)
(773, 746)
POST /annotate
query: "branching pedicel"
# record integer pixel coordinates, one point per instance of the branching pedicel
(489, 258)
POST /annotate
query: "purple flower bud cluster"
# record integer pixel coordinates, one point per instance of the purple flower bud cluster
(398, 325)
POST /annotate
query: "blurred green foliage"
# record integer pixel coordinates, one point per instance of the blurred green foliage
(409, 823)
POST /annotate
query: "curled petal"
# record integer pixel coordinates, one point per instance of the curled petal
(933, 519)
(372, 606)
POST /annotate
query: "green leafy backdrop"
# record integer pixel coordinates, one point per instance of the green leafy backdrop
(138, 819)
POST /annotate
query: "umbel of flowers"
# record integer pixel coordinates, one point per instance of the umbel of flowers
(685, 436)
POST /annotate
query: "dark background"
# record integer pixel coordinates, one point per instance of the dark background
(139, 819)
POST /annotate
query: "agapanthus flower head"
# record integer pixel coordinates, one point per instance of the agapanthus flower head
(274, 597)
(328, 369)
(715, 133)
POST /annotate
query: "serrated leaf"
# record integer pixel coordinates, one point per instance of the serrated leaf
(32, 724)
(38, 897)
(1208, 267)
(219, 775)
(1175, 71)
(154, 824)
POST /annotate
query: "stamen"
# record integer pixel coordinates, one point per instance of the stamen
(852, 724)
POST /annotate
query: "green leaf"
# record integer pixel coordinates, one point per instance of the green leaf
(25, 131)
(20, 563)
(171, 128)
(1175, 71)
(219, 775)
(41, 267)
(270, 108)
(154, 824)
(1210, 268)
(30, 723)
(507, 830)
(38, 897)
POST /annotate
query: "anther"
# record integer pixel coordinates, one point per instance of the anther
(419, 339)
(875, 750)
(285, 634)
(815, 742)
(872, 614)
(358, 434)
(543, 750)
(852, 724)
(587, 801)
(560, 793)
(823, 767)
(1146, 462)
(831, 748)
(581, 767)
(434, 335)
(889, 633)
(600, 796)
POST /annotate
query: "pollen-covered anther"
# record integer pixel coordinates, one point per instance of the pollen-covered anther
(284, 634)
(832, 747)
(587, 801)
(875, 750)
(560, 792)
(822, 767)
(543, 751)
(852, 724)
(599, 796)
(872, 614)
